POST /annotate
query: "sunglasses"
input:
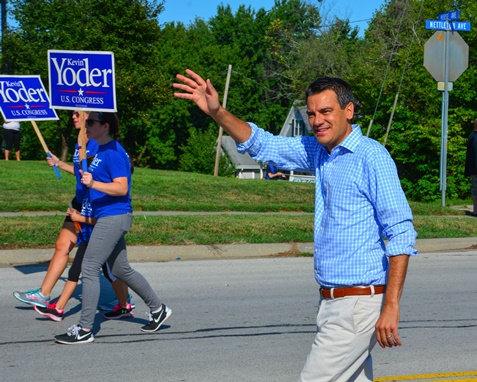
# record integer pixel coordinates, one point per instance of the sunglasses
(90, 122)
(75, 114)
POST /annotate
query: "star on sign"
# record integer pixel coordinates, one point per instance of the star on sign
(80, 92)
(27, 106)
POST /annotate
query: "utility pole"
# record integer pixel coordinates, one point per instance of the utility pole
(4, 28)
(219, 139)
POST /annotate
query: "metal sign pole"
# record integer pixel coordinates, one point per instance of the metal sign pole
(445, 115)
(456, 60)
(441, 164)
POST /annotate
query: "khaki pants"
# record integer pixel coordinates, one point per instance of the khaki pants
(342, 348)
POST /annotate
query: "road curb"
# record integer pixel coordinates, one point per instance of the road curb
(164, 253)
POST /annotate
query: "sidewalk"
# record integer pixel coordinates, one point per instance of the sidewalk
(227, 251)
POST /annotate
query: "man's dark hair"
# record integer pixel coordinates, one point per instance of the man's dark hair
(339, 86)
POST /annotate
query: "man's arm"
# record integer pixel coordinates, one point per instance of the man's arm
(277, 174)
(203, 93)
(387, 325)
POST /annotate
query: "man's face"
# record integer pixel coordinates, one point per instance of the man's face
(329, 122)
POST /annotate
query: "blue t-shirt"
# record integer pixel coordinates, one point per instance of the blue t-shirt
(91, 149)
(86, 229)
(111, 161)
(272, 170)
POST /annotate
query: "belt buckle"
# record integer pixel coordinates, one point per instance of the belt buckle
(371, 288)
(340, 293)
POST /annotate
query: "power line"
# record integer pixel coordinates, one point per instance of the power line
(387, 68)
(402, 78)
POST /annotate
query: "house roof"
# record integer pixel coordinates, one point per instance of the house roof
(244, 161)
(297, 112)
(240, 161)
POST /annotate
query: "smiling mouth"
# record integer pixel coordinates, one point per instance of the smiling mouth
(321, 130)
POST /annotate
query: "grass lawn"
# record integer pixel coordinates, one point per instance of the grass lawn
(33, 186)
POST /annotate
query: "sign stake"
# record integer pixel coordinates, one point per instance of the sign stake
(45, 148)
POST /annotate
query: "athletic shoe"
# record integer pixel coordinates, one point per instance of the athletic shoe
(32, 297)
(119, 312)
(50, 311)
(157, 319)
(75, 335)
(130, 300)
(112, 305)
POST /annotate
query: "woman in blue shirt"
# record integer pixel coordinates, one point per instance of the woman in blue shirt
(109, 181)
(67, 237)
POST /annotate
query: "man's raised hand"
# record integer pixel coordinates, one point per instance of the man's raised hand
(196, 89)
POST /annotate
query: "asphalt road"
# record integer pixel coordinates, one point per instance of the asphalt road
(238, 320)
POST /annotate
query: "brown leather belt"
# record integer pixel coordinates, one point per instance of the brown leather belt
(352, 291)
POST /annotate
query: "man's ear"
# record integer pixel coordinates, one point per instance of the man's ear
(349, 112)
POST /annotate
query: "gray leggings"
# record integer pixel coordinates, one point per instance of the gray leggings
(107, 244)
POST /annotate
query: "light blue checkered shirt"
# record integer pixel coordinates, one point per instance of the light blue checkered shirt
(359, 202)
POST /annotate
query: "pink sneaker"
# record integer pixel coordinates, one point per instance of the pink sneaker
(119, 312)
(50, 311)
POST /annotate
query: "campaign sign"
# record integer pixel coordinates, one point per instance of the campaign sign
(24, 98)
(82, 80)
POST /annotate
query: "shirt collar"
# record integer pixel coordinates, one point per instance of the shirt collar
(351, 142)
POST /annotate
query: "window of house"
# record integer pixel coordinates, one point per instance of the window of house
(298, 127)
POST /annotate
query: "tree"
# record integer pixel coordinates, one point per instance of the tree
(293, 28)
(199, 154)
(128, 28)
(274, 56)
(414, 139)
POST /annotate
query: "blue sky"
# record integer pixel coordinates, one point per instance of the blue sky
(187, 10)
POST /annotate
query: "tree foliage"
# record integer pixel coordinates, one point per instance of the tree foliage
(274, 55)
(199, 154)
(398, 34)
(127, 28)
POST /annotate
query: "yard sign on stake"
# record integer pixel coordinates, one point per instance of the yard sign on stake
(82, 80)
(24, 98)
